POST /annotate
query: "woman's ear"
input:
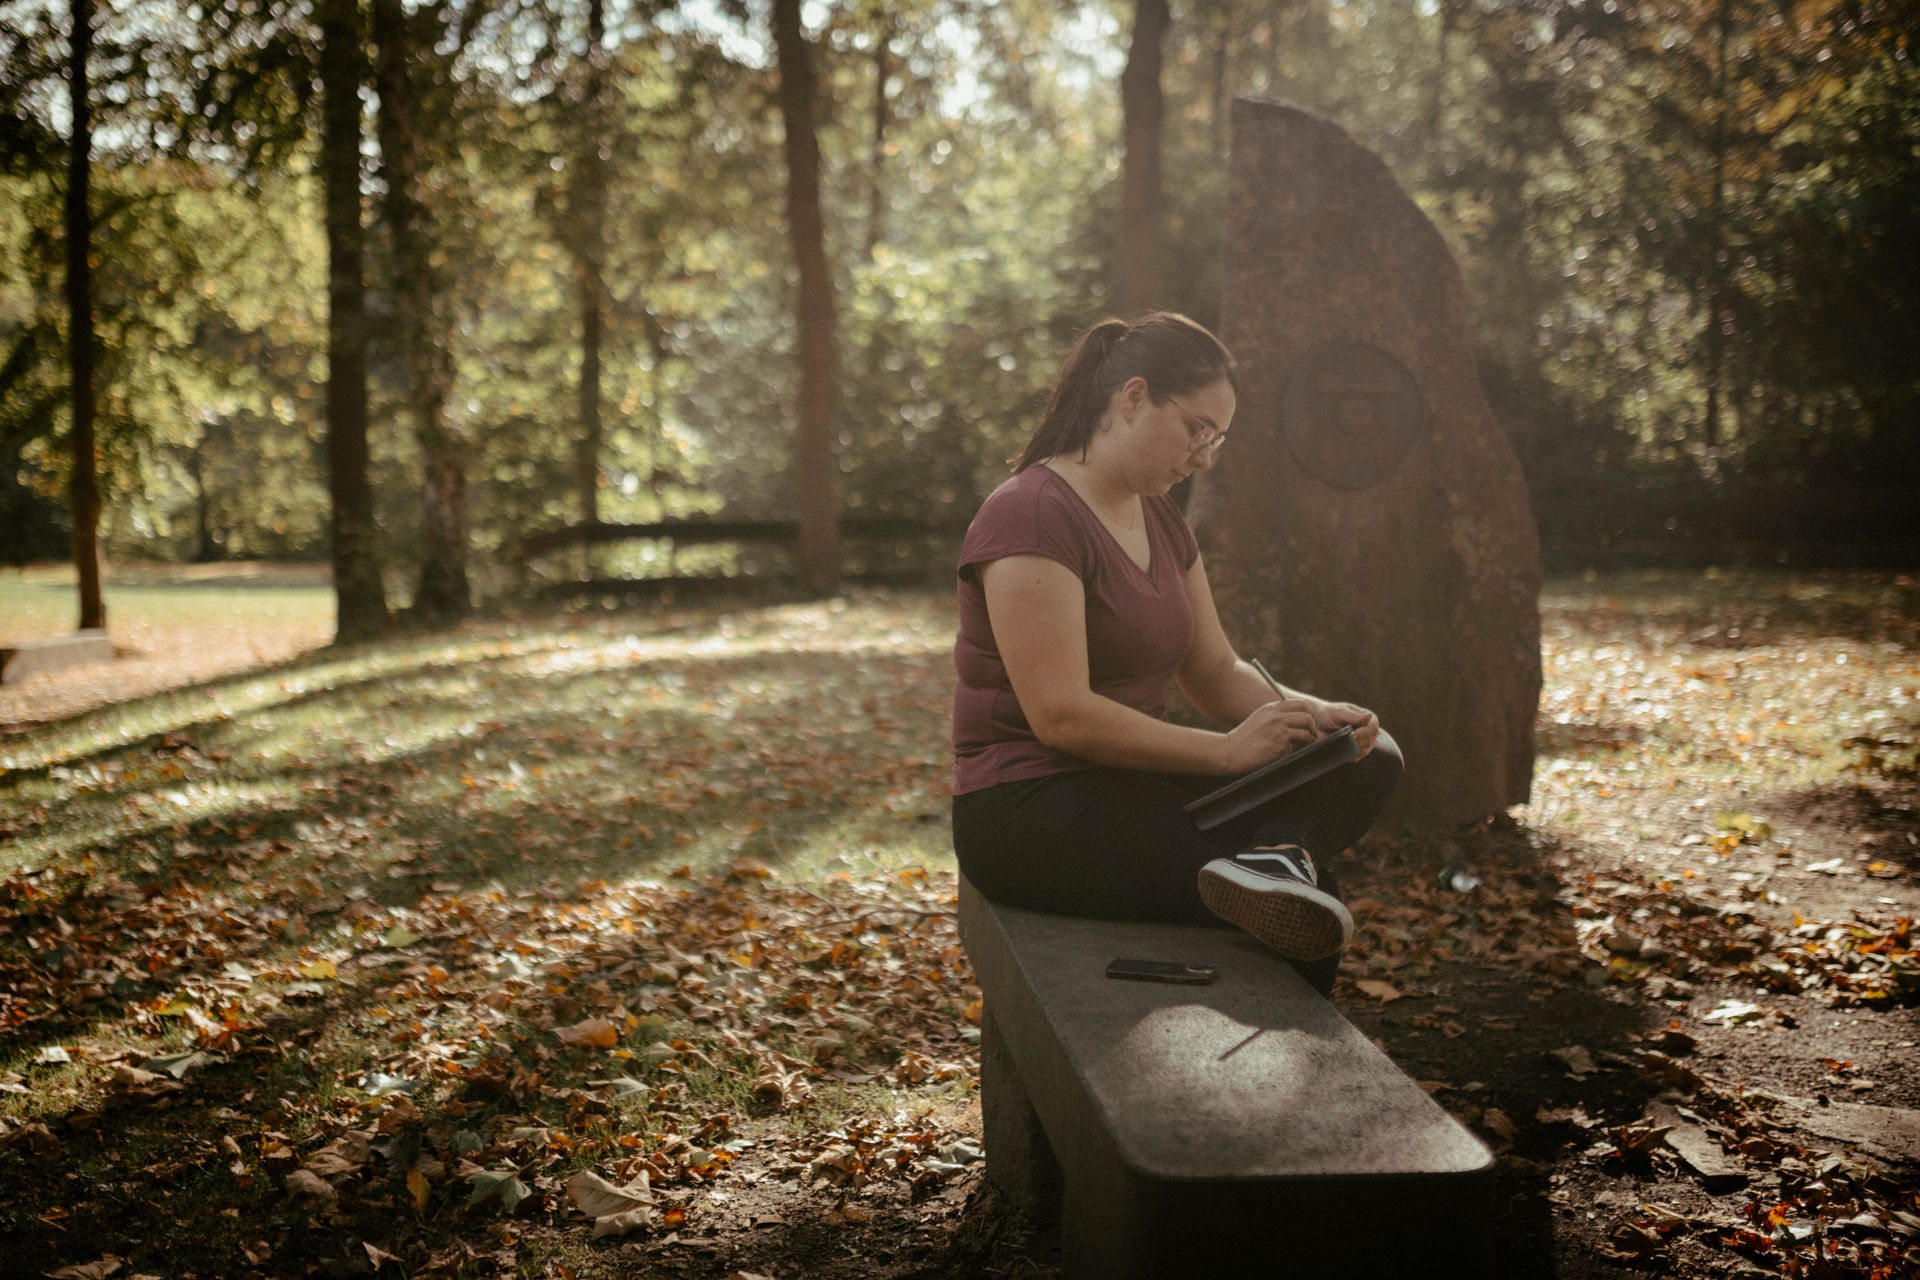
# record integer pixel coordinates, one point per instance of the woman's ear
(1133, 395)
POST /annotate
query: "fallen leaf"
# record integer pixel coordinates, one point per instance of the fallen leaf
(1632, 1237)
(1640, 1138)
(1733, 1012)
(35, 1137)
(619, 1086)
(781, 1089)
(594, 1196)
(378, 1257)
(178, 1064)
(399, 936)
(309, 1185)
(1499, 1123)
(397, 1115)
(348, 1153)
(1384, 992)
(1576, 1059)
(618, 1224)
(51, 1056)
(318, 969)
(420, 1189)
(502, 1185)
(378, 1083)
(597, 1032)
(1575, 1115)
(99, 1270)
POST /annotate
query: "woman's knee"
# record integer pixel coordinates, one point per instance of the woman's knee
(1383, 765)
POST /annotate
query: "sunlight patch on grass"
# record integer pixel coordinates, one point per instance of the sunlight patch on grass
(85, 829)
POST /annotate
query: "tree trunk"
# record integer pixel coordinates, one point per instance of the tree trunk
(1140, 105)
(814, 444)
(360, 596)
(590, 213)
(1218, 116)
(84, 484)
(1442, 47)
(443, 593)
(877, 194)
(205, 552)
(1716, 246)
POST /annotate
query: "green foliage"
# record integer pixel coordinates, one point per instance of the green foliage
(1687, 227)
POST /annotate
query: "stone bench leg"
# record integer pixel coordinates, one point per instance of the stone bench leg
(1020, 1160)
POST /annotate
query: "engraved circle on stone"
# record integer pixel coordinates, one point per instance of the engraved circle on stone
(1351, 414)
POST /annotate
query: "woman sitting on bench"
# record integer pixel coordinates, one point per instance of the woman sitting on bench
(1081, 594)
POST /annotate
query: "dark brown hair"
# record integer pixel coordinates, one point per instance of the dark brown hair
(1174, 354)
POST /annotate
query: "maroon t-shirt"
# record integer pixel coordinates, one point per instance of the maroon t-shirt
(1139, 625)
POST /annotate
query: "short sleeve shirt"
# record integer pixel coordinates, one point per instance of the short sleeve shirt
(1139, 622)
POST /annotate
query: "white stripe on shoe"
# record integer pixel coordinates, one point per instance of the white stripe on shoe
(1299, 867)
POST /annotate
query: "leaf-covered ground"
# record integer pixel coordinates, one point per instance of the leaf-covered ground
(622, 945)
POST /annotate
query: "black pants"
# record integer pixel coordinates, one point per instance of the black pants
(1113, 844)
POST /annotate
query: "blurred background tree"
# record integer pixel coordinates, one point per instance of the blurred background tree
(1689, 227)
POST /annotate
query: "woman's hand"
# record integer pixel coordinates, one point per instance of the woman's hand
(1331, 716)
(1271, 731)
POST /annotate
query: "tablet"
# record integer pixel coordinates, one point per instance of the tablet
(1277, 777)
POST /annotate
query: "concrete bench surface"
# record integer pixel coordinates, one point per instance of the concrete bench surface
(1180, 1129)
(37, 657)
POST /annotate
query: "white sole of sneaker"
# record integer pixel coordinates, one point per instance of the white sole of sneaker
(1296, 920)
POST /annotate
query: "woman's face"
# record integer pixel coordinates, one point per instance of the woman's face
(1159, 445)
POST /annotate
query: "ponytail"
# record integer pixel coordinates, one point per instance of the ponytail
(1174, 355)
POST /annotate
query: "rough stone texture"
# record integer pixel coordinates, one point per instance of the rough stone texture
(1386, 555)
(37, 657)
(1890, 1132)
(1188, 1123)
(1020, 1161)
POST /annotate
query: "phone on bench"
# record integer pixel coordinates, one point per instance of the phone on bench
(1161, 971)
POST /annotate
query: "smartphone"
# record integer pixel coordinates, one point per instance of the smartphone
(1161, 971)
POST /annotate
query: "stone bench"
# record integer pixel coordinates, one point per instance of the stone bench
(39, 657)
(1243, 1128)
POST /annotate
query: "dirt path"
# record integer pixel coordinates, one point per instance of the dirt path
(171, 626)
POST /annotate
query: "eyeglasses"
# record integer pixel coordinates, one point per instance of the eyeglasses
(1202, 436)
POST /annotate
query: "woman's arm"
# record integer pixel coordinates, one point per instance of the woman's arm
(1038, 610)
(1228, 689)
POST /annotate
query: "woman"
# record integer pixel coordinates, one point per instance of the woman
(1081, 594)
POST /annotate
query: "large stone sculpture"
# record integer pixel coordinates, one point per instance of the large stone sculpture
(1367, 530)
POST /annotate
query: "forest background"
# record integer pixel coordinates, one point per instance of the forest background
(1689, 227)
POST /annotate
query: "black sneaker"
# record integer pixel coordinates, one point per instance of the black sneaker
(1274, 895)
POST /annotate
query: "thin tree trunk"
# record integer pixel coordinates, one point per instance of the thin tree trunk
(1443, 47)
(443, 593)
(360, 595)
(1716, 246)
(589, 210)
(84, 485)
(204, 552)
(1140, 105)
(814, 444)
(877, 195)
(1219, 115)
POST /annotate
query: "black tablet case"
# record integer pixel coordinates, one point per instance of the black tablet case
(1322, 755)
